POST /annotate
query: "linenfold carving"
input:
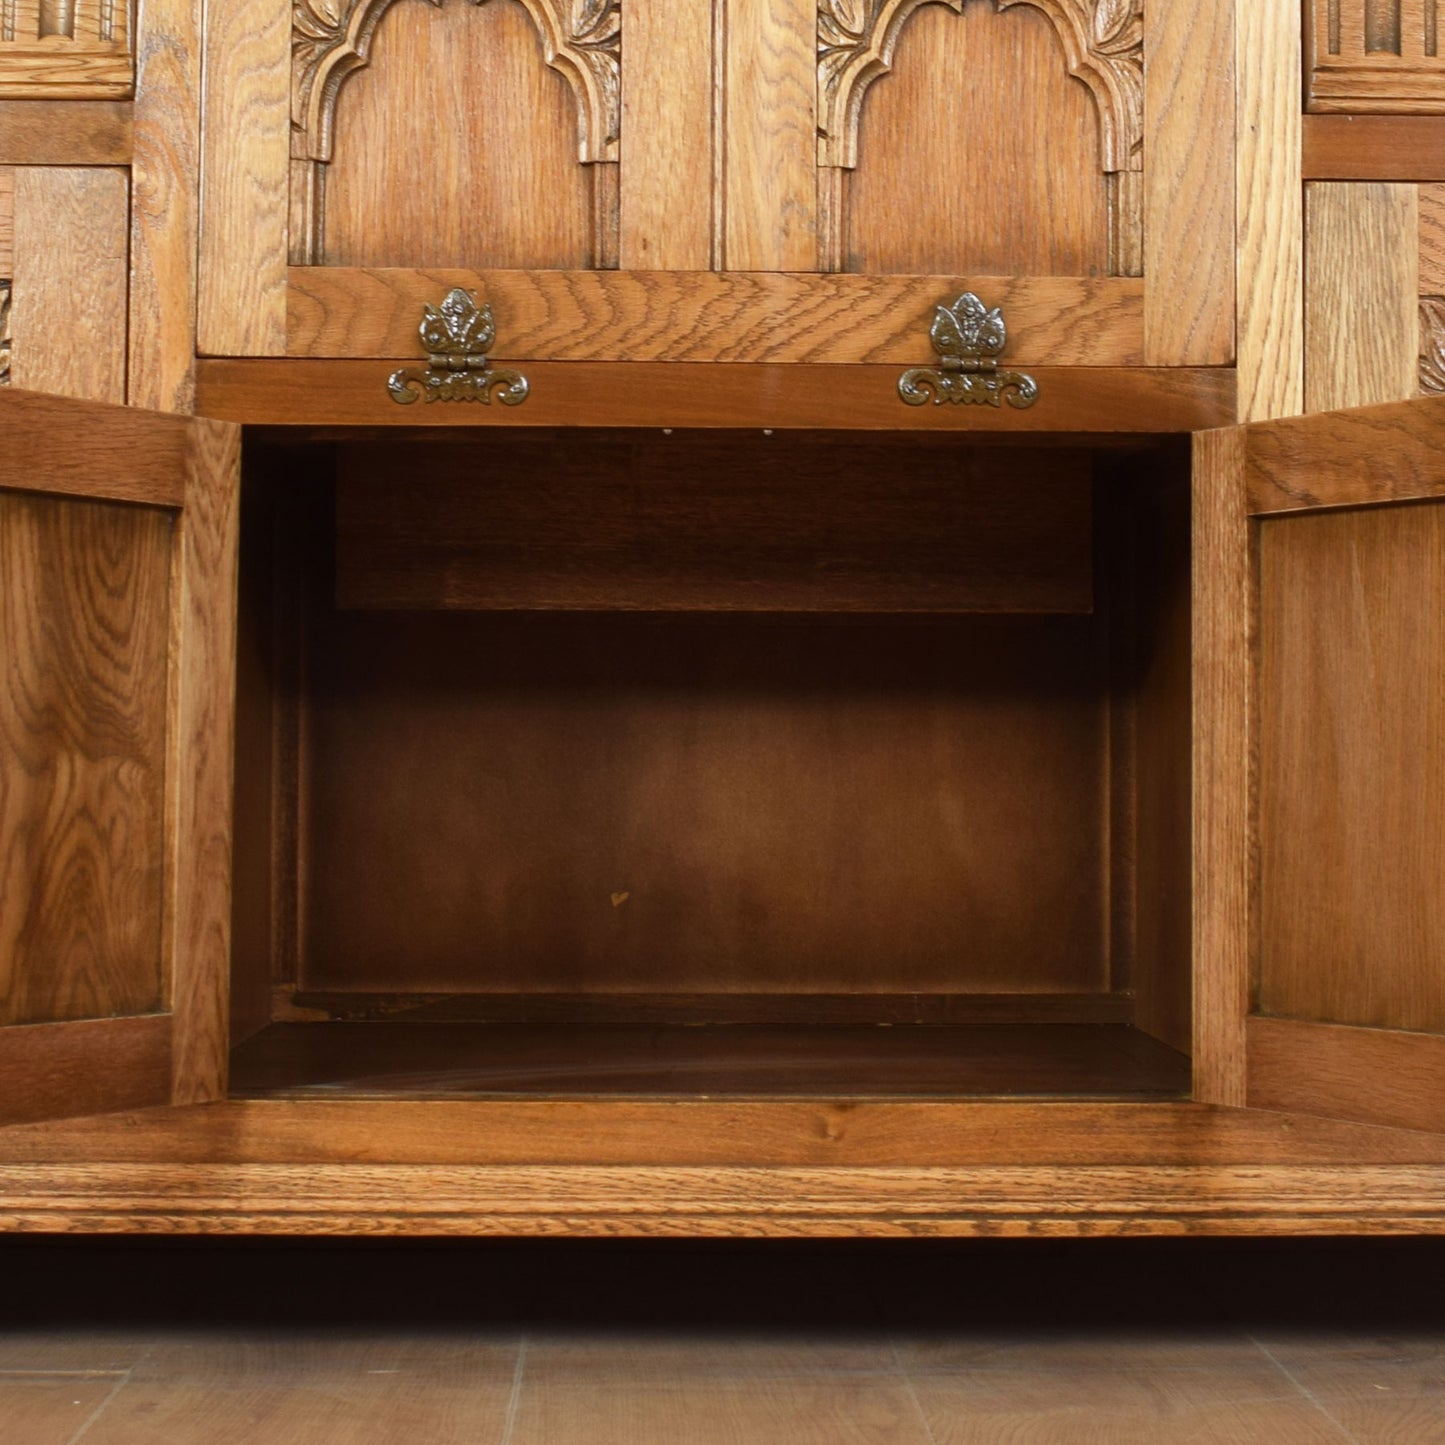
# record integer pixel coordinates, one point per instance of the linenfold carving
(1103, 43)
(1432, 345)
(331, 40)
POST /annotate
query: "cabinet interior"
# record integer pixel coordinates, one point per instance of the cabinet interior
(712, 764)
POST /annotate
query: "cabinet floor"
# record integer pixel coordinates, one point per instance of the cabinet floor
(1078, 1061)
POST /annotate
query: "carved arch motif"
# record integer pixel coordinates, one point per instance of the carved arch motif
(331, 40)
(1103, 43)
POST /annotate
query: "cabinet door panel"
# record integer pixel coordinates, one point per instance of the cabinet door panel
(1337, 708)
(117, 554)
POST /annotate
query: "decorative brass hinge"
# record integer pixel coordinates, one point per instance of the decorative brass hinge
(457, 335)
(968, 337)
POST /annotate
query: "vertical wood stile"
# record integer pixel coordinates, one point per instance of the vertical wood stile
(1189, 182)
(1271, 218)
(198, 895)
(68, 310)
(770, 136)
(166, 123)
(1223, 766)
(245, 174)
(1362, 266)
(667, 136)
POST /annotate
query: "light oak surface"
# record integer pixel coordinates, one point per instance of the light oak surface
(638, 316)
(163, 230)
(67, 316)
(1047, 208)
(1270, 212)
(1362, 252)
(500, 186)
(245, 172)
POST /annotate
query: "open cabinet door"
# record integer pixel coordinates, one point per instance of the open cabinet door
(118, 536)
(1320, 765)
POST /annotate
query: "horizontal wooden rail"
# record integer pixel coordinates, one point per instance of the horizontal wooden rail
(715, 315)
(1075, 400)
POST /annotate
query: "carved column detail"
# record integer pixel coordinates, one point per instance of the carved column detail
(4, 333)
(1103, 43)
(331, 40)
(1432, 345)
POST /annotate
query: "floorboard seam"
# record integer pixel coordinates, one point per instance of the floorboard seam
(100, 1409)
(514, 1401)
(1304, 1390)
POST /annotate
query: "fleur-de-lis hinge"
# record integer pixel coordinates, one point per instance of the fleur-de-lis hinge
(457, 336)
(969, 338)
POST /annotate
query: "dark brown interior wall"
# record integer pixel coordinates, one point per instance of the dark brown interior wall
(607, 803)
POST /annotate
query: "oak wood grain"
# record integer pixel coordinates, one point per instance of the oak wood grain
(7, 223)
(82, 732)
(121, 454)
(65, 132)
(720, 1201)
(244, 179)
(713, 523)
(1432, 240)
(1374, 148)
(619, 804)
(1351, 789)
(770, 129)
(163, 232)
(916, 207)
(880, 1134)
(1362, 327)
(1379, 1076)
(199, 763)
(68, 309)
(1270, 212)
(1368, 456)
(668, 142)
(52, 1070)
(1222, 766)
(714, 316)
(499, 186)
(1189, 183)
(40, 71)
(1080, 400)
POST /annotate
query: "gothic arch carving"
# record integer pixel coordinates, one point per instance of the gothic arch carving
(331, 40)
(1103, 44)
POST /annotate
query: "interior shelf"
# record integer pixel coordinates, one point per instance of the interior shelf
(1071, 1061)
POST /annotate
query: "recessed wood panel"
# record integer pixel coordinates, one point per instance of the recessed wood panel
(978, 153)
(696, 524)
(457, 146)
(1352, 783)
(625, 804)
(83, 663)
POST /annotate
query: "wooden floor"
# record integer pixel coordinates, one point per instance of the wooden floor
(561, 1345)
(1079, 1061)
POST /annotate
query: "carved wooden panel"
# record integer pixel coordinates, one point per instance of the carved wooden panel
(1378, 56)
(79, 48)
(500, 108)
(1099, 43)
